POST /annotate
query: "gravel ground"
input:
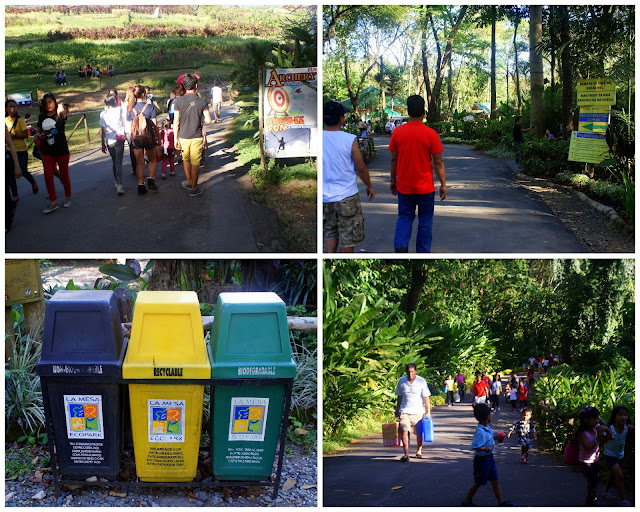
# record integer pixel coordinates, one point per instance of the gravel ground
(298, 489)
(591, 228)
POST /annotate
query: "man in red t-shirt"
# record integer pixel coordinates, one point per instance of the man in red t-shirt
(413, 146)
(479, 391)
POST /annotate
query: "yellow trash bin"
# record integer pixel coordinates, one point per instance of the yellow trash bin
(167, 344)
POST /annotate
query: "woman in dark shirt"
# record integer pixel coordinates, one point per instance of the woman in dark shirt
(54, 148)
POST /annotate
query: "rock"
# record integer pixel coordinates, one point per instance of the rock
(92, 479)
(39, 496)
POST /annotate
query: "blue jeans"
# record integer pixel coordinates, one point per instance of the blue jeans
(407, 212)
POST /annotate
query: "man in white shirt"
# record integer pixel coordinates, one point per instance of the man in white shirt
(342, 221)
(412, 406)
(216, 100)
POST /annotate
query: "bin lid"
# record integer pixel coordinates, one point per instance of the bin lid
(167, 338)
(82, 334)
(250, 337)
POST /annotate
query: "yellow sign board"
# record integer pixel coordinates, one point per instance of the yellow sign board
(588, 147)
(594, 119)
(594, 91)
(23, 282)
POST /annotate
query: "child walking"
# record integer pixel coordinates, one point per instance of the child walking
(614, 453)
(513, 396)
(168, 148)
(589, 450)
(524, 428)
(484, 465)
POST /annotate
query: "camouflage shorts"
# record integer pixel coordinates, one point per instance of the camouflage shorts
(342, 220)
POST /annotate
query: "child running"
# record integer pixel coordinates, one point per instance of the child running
(589, 451)
(484, 465)
(513, 396)
(524, 428)
(168, 148)
(614, 453)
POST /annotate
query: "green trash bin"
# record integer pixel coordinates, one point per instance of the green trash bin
(250, 354)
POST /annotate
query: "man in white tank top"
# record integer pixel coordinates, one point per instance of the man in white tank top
(343, 224)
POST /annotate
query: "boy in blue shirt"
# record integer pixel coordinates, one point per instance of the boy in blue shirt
(484, 465)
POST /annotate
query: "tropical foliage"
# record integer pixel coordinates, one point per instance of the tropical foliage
(487, 315)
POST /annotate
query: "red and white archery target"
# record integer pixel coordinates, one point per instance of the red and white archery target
(278, 99)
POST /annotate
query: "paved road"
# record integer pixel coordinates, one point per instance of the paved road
(166, 221)
(365, 474)
(486, 210)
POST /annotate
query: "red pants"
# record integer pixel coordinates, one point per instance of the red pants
(49, 163)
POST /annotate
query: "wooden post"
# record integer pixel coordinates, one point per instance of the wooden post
(86, 128)
(76, 126)
(34, 318)
(9, 334)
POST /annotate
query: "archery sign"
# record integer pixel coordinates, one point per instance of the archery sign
(290, 113)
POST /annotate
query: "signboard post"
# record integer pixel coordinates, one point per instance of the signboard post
(290, 113)
(595, 97)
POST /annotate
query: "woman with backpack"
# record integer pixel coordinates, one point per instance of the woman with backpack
(54, 148)
(144, 136)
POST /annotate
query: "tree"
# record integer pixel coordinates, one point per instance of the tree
(442, 62)
(538, 113)
(567, 71)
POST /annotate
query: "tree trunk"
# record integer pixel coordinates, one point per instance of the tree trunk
(494, 99)
(450, 87)
(164, 275)
(538, 114)
(515, 50)
(263, 161)
(425, 64)
(384, 103)
(443, 62)
(418, 279)
(567, 74)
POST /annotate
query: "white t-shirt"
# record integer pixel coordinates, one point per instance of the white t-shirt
(338, 170)
(216, 94)
(111, 120)
(412, 394)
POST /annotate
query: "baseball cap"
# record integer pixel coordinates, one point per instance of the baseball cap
(333, 109)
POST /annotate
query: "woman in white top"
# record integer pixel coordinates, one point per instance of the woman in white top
(113, 137)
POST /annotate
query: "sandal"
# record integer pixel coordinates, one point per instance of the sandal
(418, 455)
(405, 458)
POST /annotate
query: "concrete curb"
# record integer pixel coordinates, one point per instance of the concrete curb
(610, 213)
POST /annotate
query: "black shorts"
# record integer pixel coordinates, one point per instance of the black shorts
(590, 471)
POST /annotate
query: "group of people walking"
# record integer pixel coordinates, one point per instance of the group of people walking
(132, 120)
(592, 437)
(415, 153)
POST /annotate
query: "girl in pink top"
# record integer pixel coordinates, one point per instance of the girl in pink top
(589, 438)
(168, 147)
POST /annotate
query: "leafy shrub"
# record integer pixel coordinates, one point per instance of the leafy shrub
(543, 157)
(575, 179)
(606, 190)
(23, 395)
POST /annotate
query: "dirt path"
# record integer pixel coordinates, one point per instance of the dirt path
(366, 474)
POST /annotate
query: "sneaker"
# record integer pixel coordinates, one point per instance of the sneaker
(151, 183)
(119, 189)
(51, 208)
(526, 460)
(67, 203)
(185, 184)
(172, 173)
(142, 190)
(164, 175)
(402, 249)
(196, 192)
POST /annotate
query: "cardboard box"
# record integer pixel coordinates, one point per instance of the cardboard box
(391, 434)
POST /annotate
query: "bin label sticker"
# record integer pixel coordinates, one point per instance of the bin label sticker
(84, 416)
(166, 421)
(248, 418)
